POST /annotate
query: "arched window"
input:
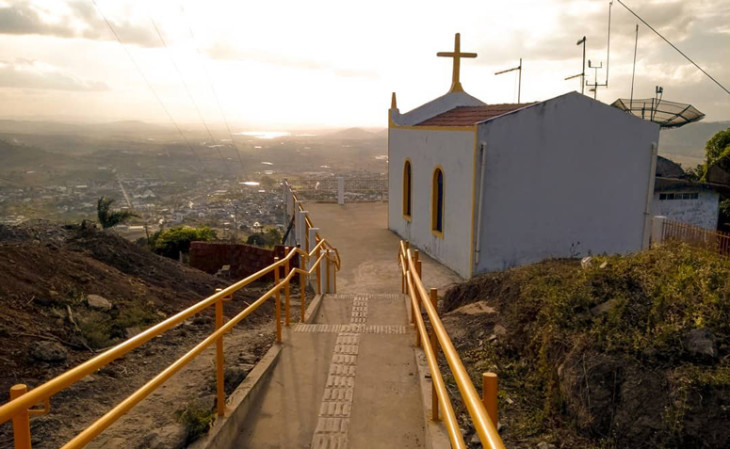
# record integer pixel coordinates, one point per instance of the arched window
(407, 189)
(437, 202)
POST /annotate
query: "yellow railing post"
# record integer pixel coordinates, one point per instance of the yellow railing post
(405, 263)
(418, 310)
(413, 309)
(319, 270)
(287, 293)
(489, 395)
(21, 421)
(334, 277)
(277, 306)
(219, 360)
(327, 271)
(302, 288)
(434, 346)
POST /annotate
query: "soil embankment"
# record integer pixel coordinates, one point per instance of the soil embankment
(621, 352)
(69, 292)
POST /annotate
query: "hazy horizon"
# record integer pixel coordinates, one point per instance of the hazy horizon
(329, 65)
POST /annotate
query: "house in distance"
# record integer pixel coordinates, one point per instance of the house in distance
(483, 187)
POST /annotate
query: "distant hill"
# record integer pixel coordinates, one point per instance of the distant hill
(353, 134)
(14, 156)
(686, 145)
(126, 127)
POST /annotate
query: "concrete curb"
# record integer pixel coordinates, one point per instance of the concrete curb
(435, 431)
(225, 430)
(313, 308)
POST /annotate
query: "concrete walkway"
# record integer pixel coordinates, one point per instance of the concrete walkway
(349, 379)
(368, 249)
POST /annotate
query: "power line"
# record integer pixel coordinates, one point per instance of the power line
(213, 89)
(187, 90)
(675, 47)
(149, 85)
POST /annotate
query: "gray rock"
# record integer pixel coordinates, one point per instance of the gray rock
(247, 357)
(604, 307)
(48, 351)
(98, 302)
(172, 436)
(131, 331)
(545, 445)
(499, 330)
(475, 441)
(701, 343)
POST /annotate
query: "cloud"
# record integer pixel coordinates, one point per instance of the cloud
(81, 20)
(25, 73)
(677, 20)
(225, 52)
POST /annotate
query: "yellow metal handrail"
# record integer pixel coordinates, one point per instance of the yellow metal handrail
(484, 421)
(19, 407)
(309, 225)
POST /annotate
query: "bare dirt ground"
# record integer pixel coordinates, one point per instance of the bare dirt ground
(48, 325)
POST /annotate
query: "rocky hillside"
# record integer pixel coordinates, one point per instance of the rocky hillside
(621, 352)
(68, 292)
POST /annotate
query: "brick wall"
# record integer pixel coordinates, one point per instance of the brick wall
(243, 259)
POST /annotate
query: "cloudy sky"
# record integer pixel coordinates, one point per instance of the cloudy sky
(295, 64)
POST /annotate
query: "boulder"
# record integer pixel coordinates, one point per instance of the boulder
(131, 331)
(700, 343)
(172, 436)
(604, 307)
(48, 351)
(98, 302)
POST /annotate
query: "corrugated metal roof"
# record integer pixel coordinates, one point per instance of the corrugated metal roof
(469, 115)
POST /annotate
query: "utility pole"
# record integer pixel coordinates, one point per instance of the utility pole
(519, 84)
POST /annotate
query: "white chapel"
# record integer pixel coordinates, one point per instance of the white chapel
(485, 187)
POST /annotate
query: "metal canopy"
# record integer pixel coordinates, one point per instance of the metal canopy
(668, 114)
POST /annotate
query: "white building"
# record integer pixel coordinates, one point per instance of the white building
(487, 187)
(684, 201)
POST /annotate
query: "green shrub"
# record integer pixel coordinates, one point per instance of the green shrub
(196, 418)
(171, 242)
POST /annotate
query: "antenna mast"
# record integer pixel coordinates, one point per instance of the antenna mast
(582, 74)
(519, 85)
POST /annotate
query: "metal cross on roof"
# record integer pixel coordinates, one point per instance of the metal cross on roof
(457, 55)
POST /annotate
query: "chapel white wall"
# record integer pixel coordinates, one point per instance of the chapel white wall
(702, 212)
(454, 151)
(564, 178)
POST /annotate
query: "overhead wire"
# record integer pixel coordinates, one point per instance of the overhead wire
(675, 47)
(150, 87)
(212, 88)
(187, 90)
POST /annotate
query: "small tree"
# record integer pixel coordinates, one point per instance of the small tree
(172, 241)
(717, 147)
(267, 182)
(109, 218)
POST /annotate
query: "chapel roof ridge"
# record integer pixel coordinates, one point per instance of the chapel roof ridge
(471, 115)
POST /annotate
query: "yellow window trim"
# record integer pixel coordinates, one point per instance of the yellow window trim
(434, 200)
(407, 190)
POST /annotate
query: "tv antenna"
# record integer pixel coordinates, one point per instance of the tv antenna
(595, 84)
(582, 74)
(519, 84)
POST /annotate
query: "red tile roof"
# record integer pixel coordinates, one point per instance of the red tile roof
(469, 115)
